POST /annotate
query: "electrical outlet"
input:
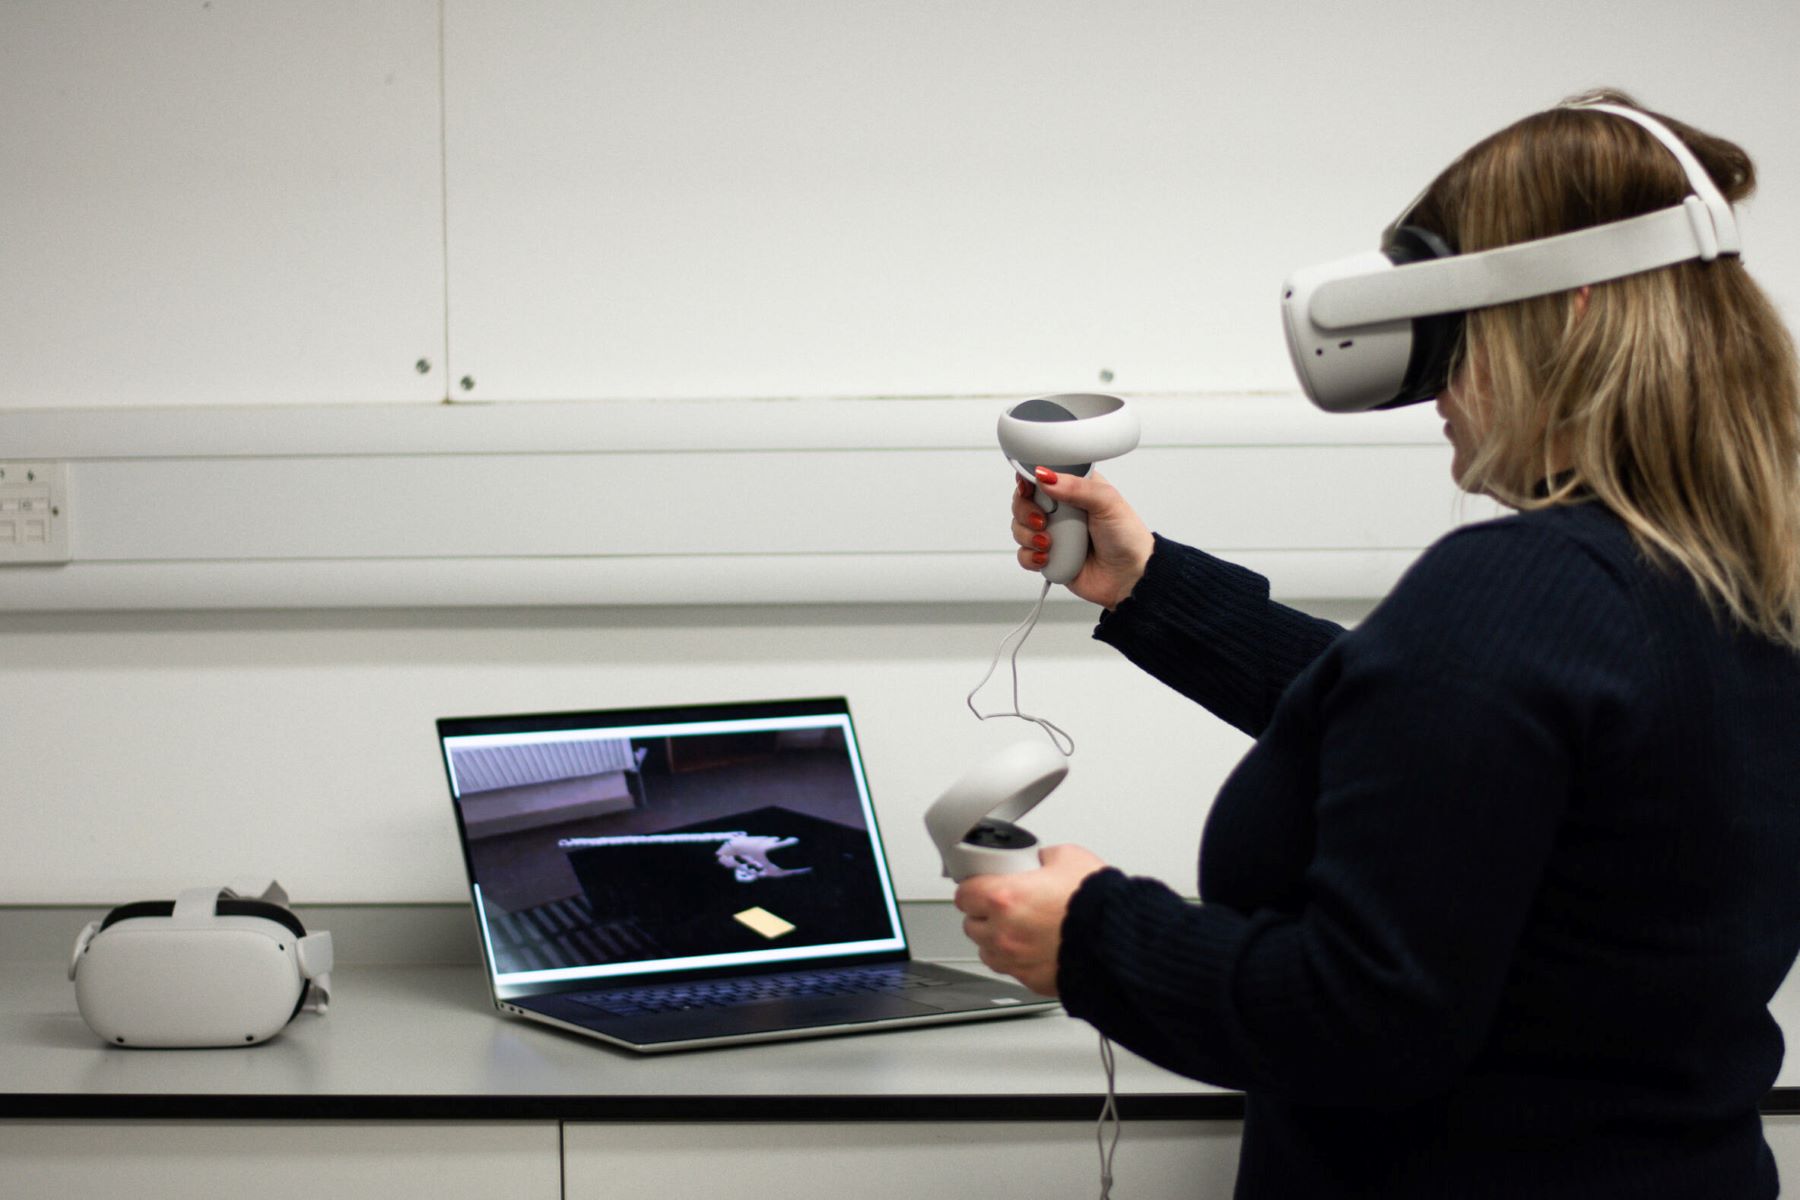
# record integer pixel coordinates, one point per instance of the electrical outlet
(34, 512)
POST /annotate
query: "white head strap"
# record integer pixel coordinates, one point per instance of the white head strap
(1703, 226)
(1723, 220)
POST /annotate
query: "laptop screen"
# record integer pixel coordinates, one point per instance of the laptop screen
(609, 844)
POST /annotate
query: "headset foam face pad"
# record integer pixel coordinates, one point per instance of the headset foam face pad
(1436, 338)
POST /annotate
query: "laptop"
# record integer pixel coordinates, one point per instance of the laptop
(673, 878)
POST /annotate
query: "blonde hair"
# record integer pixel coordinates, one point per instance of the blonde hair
(1672, 397)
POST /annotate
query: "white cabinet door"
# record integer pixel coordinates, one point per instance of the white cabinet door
(280, 1160)
(660, 198)
(693, 198)
(901, 1160)
(220, 203)
(1783, 1133)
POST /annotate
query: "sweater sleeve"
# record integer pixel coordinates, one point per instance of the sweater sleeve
(1207, 628)
(1447, 729)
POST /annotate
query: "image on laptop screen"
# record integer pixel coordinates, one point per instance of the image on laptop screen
(610, 844)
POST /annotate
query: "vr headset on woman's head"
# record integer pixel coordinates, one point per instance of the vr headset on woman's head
(1379, 329)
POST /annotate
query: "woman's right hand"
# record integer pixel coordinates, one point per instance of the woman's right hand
(1119, 543)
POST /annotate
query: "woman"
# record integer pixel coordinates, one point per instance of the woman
(1496, 903)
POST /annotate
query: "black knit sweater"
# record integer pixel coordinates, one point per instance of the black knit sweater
(1496, 903)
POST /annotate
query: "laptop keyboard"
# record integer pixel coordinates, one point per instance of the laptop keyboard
(725, 993)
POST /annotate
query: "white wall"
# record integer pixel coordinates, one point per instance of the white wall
(143, 751)
(797, 197)
(220, 202)
(239, 203)
(238, 206)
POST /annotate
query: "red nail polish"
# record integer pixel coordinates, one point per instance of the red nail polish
(1041, 542)
(1045, 475)
(1040, 559)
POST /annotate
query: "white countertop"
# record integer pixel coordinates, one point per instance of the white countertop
(421, 1039)
(429, 1034)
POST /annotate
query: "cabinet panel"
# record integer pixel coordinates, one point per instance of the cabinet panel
(283, 1160)
(902, 1160)
(1783, 1133)
(662, 198)
(220, 203)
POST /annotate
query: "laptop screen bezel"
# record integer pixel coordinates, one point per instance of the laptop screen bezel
(599, 720)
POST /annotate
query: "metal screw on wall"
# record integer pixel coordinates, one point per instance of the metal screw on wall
(467, 382)
(1106, 376)
(423, 366)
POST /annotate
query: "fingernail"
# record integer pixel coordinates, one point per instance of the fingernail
(1040, 559)
(1041, 542)
(1035, 520)
(1045, 475)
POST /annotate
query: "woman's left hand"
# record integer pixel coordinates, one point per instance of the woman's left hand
(1016, 920)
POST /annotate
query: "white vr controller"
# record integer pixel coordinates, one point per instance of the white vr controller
(972, 822)
(1068, 433)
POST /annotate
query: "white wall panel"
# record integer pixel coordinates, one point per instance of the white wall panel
(702, 198)
(220, 203)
